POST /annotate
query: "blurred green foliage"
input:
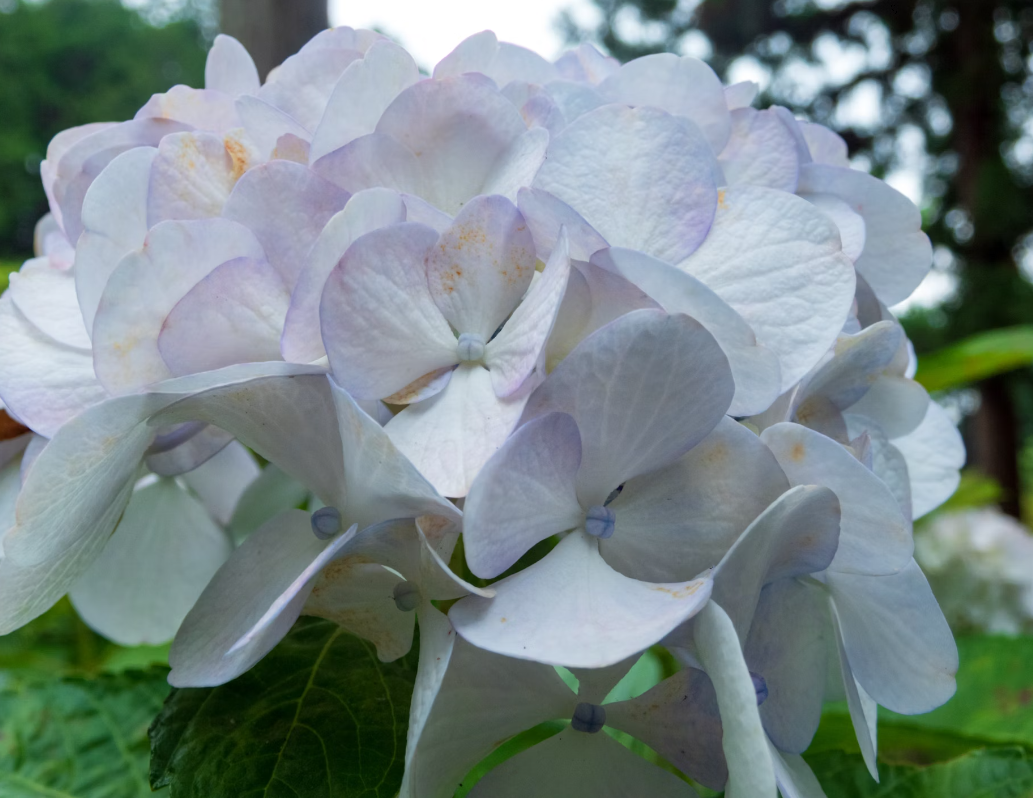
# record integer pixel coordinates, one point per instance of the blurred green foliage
(67, 63)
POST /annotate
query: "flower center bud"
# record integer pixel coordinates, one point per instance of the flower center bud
(406, 596)
(326, 522)
(760, 687)
(588, 718)
(470, 348)
(600, 521)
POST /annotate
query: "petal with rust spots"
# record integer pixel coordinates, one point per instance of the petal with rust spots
(481, 266)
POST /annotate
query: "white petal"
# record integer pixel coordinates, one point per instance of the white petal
(481, 266)
(46, 297)
(157, 562)
(849, 222)
(265, 125)
(301, 85)
(358, 596)
(286, 206)
(875, 538)
(741, 94)
(776, 260)
(380, 325)
(795, 536)
(898, 643)
(684, 86)
(182, 448)
(897, 254)
(382, 483)
(87, 157)
(794, 776)
(750, 770)
(546, 216)
(513, 354)
(192, 176)
(898, 404)
(857, 361)
(788, 646)
(888, 463)
(628, 386)
(202, 109)
(524, 494)
(251, 602)
(454, 433)
(233, 315)
(572, 609)
(678, 719)
(677, 522)
(572, 764)
(825, 145)
(229, 68)
(517, 166)
(114, 220)
(642, 178)
(761, 151)
(594, 297)
(289, 419)
(480, 701)
(360, 97)
(935, 454)
(500, 61)
(222, 480)
(44, 383)
(365, 211)
(863, 710)
(147, 284)
(755, 369)
(78, 487)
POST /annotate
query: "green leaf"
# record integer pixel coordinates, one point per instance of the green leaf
(992, 773)
(994, 701)
(77, 738)
(319, 717)
(977, 358)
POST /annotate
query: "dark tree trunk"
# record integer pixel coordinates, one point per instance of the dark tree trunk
(975, 102)
(272, 30)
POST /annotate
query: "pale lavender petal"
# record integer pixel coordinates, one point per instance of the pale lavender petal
(380, 325)
(642, 178)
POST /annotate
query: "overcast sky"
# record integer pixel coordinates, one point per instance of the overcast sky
(430, 30)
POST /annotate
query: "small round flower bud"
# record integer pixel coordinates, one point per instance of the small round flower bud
(470, 348)
(588, 718)
(599, 522)
(406, 596)
(326, 522)
(760, 686)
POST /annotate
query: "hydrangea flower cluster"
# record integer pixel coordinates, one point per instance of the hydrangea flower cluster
(622, 332)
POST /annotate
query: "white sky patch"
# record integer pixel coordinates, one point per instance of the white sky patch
(431, 30)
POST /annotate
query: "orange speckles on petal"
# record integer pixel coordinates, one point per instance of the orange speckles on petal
(721, 200)
(683, 592)
(797, 453)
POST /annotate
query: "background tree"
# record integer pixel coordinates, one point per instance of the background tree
(951, 86)
(272, 29)
(69, 62)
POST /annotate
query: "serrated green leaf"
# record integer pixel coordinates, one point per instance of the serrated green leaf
(77, 738)
(319, 717)
(987, 773)
(977, 358)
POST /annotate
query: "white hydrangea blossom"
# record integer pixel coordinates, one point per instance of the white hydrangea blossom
(612, 310)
